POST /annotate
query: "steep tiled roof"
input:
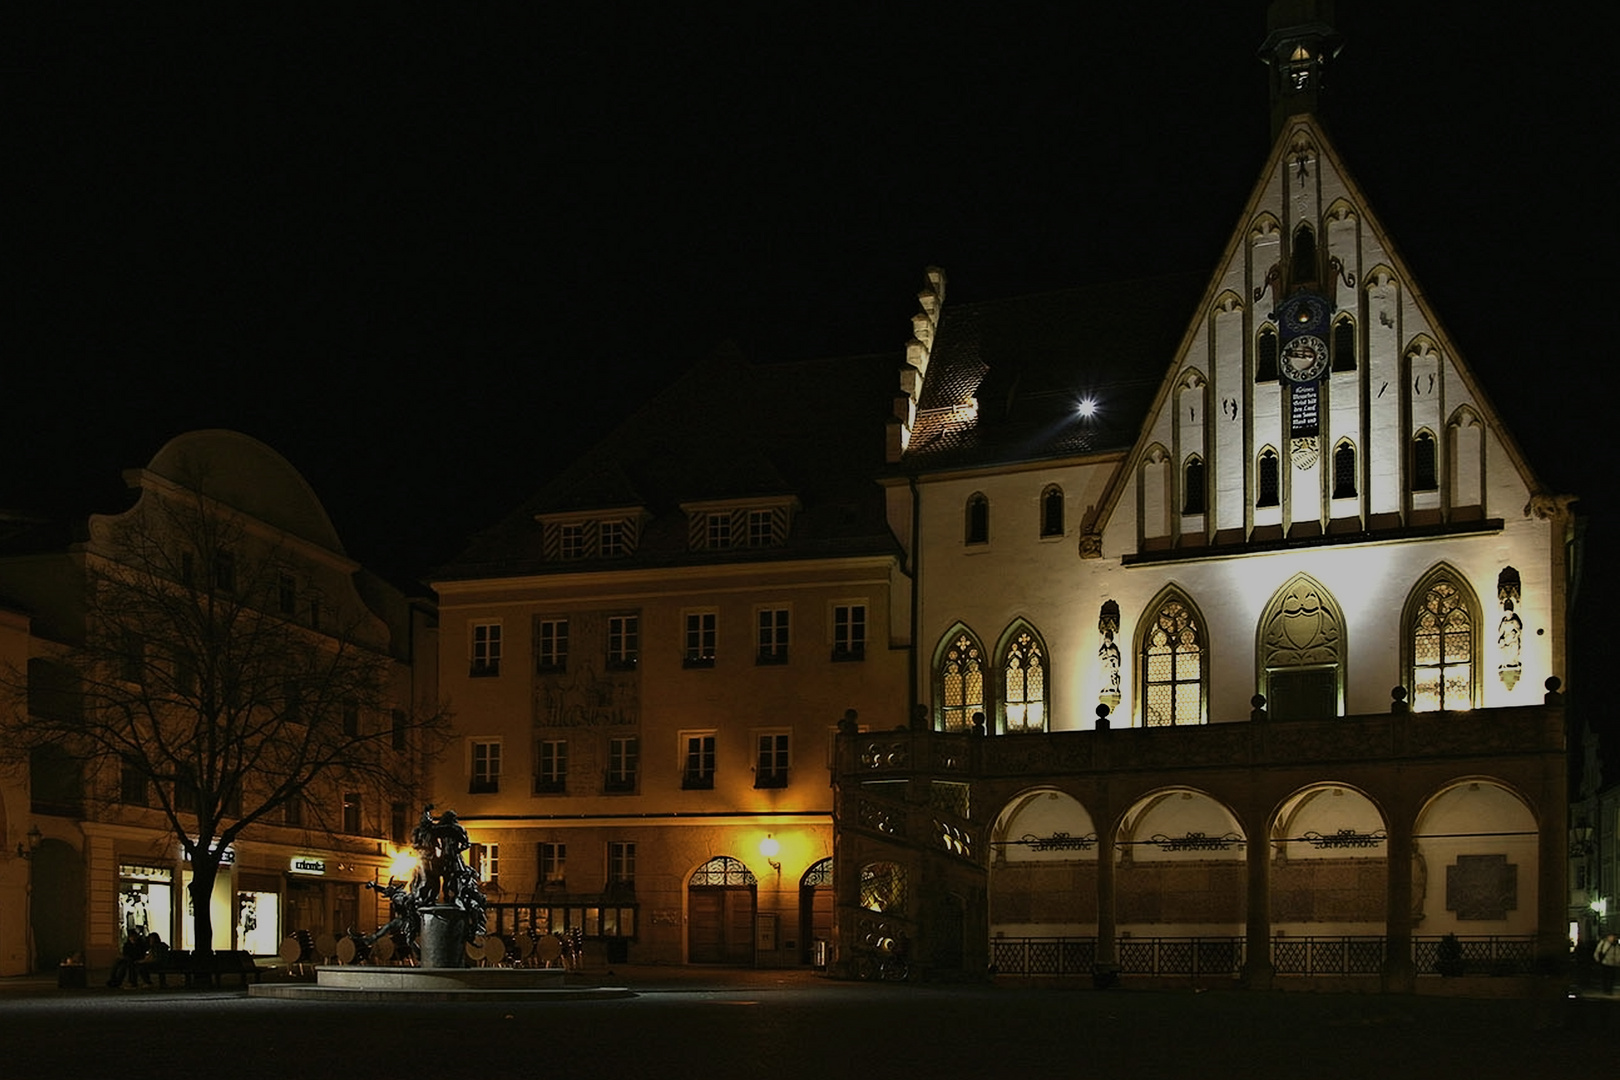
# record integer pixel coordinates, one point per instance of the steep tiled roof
(808, 431)
(1005, 376)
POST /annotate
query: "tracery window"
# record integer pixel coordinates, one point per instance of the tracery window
(961, 684)
(1442, 625)
(883, 887)
(1172, 666)
(1024, 685)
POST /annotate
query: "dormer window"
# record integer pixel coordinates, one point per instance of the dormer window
(718, 531)
(572, 540)
(613, 539)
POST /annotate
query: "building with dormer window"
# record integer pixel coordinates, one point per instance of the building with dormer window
(684, 615)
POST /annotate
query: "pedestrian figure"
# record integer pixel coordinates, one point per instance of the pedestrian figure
(1607, 954)
(157, 953)
(130, 955)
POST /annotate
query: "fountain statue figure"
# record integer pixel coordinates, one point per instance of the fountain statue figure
(441, 883)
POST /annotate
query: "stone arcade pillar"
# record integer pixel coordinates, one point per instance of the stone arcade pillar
(1399, 973)
(1258, 969)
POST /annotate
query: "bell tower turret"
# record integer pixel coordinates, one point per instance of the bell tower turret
(1300, 41)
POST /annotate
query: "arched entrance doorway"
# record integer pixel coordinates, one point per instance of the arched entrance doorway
(720, 902)
(56, 904)
(816, 912)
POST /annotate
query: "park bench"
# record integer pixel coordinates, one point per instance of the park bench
(191, 969)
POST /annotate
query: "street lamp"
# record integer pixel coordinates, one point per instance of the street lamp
(769, 848)
(34, 838)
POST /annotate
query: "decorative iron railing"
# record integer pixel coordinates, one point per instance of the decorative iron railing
(1485, 955)
(1327, 955)
(1341, 955)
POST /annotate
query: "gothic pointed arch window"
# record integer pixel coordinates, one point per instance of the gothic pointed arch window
(1301, 651)
(1023, 681)
(1344, 470)
(1052, 511)
(1442, 642)
(1193, 489)
(1425, 470)
(976, 519)
(959, 680)
(1268, 486)
(1265, 355)
(1302, 260)
(1344, 344)
(1173, 662)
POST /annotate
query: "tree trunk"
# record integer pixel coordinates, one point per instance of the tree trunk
(204, 872)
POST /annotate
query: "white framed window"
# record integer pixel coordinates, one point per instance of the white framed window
(551, 645)
(485, 648)
(717, 530)
(762, 528)
(551, 767)
(623, 641)
(772, 636)
(613, 537)
(552, 858)
(621, 863)
(351, 813)
(771, 759)
(849, 630)
(697, 756)
(571, 540)
(485, 767)
(624, 764)
(486, 862)
(702, 633)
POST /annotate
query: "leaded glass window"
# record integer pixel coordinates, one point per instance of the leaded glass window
(1173, 668)
(961, 684)
(1024, 677)
(723, 870)
(883, 887)
(1443, 650)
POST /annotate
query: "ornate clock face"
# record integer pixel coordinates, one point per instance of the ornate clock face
(1304, 358)
(1304, 313)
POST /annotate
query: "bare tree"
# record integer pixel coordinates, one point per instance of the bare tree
(219, 676)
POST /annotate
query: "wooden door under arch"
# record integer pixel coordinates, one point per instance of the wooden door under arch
(720, 905)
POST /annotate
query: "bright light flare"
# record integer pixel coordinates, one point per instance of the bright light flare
(1086, 407)
(403, 865)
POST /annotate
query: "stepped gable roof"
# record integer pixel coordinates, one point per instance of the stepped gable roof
(1005, 377)
(808, 431)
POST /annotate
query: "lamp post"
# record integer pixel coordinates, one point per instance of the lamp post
(26, 849)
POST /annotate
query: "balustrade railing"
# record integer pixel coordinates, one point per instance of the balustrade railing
(1331, 955)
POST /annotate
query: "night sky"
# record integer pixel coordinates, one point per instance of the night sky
(427, 257)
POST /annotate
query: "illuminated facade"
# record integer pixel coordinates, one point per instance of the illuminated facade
(647, 662)
(89, 857)
(1229, 514)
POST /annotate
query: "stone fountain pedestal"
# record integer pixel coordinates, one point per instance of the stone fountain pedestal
(443, 941)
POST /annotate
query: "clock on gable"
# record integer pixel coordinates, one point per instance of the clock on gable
(1302, 324)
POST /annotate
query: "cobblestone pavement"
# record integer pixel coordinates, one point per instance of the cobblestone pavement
(716, 1024)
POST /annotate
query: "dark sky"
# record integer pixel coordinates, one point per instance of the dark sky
(427, 257)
